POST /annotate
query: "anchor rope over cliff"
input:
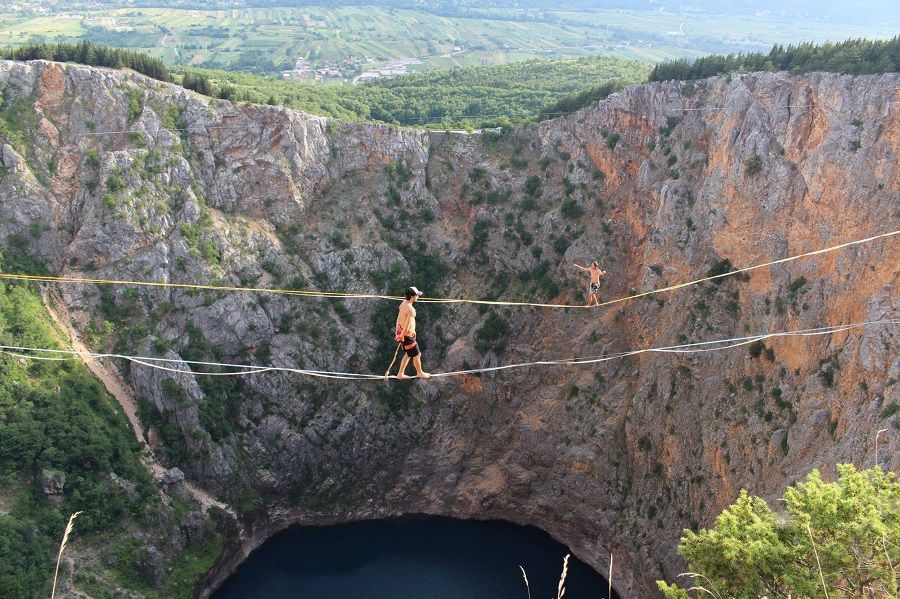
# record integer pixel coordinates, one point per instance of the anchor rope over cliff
(246, 369)
(426, 299)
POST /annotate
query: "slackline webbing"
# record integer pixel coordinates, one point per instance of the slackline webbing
(245, 369)
(426, 299)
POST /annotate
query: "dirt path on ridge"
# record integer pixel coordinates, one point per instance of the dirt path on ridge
(114, 384)
(60, 314)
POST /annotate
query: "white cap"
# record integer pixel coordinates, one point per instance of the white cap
(414, 290)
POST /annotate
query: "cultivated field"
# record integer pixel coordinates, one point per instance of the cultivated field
(343, 43)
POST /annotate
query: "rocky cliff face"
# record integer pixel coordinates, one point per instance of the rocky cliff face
(659, 184)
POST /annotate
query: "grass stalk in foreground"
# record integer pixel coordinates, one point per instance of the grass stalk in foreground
(62, 547)
(561, 590)
(527, 587)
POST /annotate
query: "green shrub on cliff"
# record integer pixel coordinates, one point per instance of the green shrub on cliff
(753, 165)
(842, 536)
(492, 335)
(17, 120)
(55, 416)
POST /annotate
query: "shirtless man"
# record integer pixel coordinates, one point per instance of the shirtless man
(596, 273)
(405, 334)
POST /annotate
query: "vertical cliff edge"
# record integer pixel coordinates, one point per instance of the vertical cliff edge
(107, 174)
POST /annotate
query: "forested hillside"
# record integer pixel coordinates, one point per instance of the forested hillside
(92, 54)
(856, 57)
(473, 96)
(482, 96)
(463, 97)
(65, 447)
(341, 40)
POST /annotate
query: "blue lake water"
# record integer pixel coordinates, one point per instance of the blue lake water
(410, 558)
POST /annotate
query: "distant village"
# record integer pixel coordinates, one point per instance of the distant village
(353, 69)
(27, 9)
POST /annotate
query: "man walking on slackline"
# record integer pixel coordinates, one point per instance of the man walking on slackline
(405, 335)
(596, 273)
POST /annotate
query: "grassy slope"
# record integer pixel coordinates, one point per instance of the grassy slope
(55, 415)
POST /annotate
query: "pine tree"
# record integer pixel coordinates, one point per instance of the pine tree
(854, 56)
(85, 52)
(841, 535)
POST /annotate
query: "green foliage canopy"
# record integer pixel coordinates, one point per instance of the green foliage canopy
(850, 526)
(483, 96)
(854, 56)
(577, 101)
(55, 416)
(92, 54)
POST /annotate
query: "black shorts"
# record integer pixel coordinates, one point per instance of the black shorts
(410, 346)
(595, 287)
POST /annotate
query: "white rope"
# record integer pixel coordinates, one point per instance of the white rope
(683, 348)
(201, 129)
(180, 371)
(149, 362)
(48, 359)
(245, 369)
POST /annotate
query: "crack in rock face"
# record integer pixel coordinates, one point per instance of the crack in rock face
(610, 458)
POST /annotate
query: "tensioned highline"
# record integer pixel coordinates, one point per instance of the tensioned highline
(348, 295)
(248, 369)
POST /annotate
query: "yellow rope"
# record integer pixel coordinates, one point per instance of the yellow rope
(340, 294)
(679, 285)
(391, 365)
(207, 287)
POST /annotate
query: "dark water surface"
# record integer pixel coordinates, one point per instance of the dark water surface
(410, 558)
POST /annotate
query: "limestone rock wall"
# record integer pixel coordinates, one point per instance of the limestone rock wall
(659, 183)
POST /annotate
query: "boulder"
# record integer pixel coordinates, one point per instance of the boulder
(173, 476)
(128, 487)
(52, 483)
(173, 483)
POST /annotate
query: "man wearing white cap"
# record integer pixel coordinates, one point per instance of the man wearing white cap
(405, 335)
